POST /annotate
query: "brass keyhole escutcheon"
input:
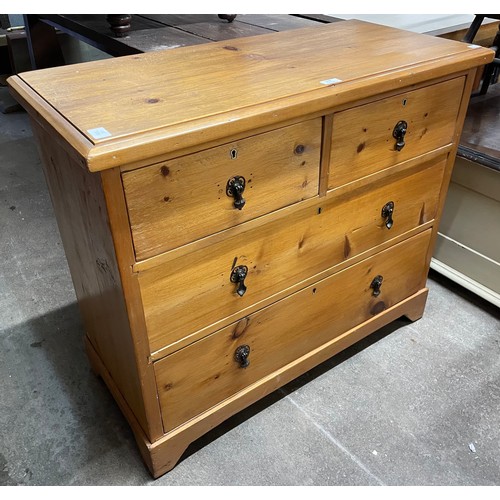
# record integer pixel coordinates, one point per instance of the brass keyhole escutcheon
(235, 187)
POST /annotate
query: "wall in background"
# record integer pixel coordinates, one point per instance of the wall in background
(419, 23)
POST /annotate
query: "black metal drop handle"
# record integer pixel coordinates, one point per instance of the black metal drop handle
(399, 133)
(387, 211)
(376, 284)
(238, 275)
(235, 187)
(241, 355)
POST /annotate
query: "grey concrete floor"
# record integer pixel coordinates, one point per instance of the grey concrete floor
(414, 404)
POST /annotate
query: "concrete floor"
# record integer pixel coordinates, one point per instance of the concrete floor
(415, 404)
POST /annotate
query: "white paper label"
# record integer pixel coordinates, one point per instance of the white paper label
(331, 81)
(99, 133)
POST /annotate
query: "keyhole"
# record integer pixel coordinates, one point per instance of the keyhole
(404, 102)
(233, 154)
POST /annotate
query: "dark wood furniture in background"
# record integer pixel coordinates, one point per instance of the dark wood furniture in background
(149, 32)
(254, 208)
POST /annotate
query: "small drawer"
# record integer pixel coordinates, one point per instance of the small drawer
(371, 137)
(201, 288)
(231, 359)
(184, 199)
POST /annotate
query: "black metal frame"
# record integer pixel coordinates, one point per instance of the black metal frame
(492, 70)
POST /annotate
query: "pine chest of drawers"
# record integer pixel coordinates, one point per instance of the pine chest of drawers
(235, 213)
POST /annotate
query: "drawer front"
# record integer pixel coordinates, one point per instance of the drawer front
(199, 376)
(363, 139)
(184, 199)
(189, 293)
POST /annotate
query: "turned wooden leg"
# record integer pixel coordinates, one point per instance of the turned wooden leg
(119, 24)
(227, 17)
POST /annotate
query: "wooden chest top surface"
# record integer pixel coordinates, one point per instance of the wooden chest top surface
(116, 103)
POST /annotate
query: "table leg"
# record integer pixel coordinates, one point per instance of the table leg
(228, 17)
(119, 24)
(43, 46)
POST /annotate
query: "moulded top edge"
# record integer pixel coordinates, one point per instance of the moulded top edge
(117, 100)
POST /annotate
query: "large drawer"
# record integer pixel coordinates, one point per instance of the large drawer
(363, 140)
(213, 368)
(186, 198)
(195, 290)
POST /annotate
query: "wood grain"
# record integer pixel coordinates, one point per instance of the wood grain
(75, 145)
(184, 199)
(167, 451)
(217, 30)
(100, 369)
(236, 133)
(81, 213)
(328, 308)
(276, 22)
(162, 331)
(122, 239)
(166, 38)
(267, 79)
(398, 171)
(362, 139)
(187, 294)
(324, 173)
